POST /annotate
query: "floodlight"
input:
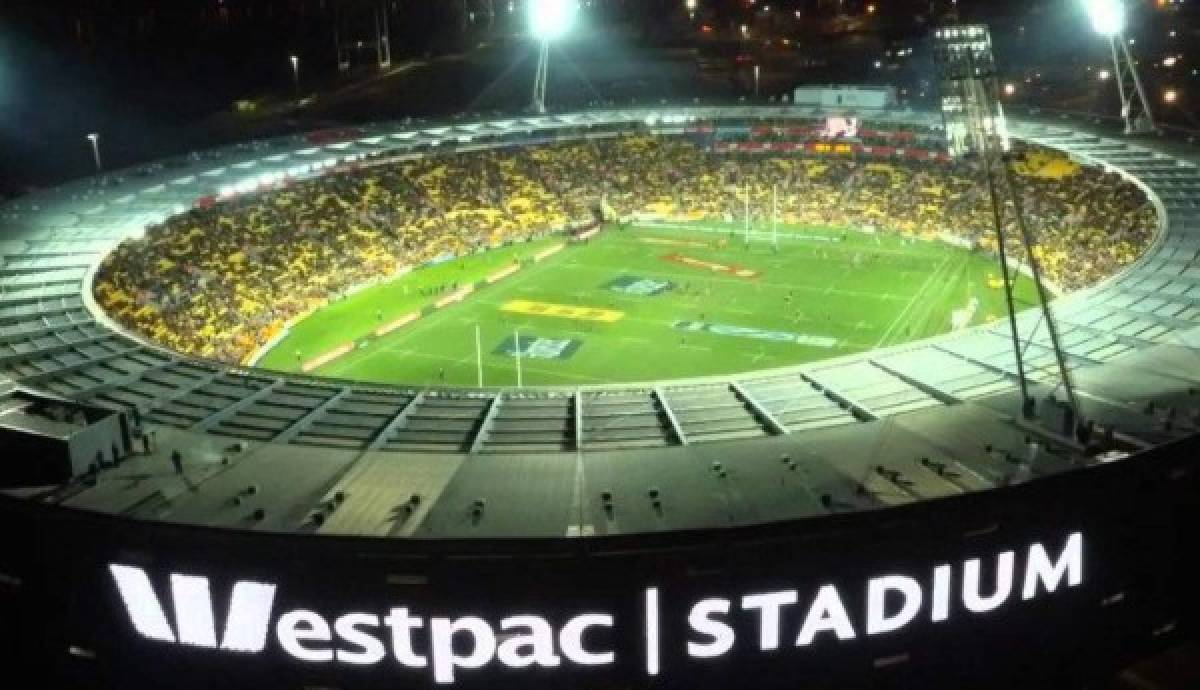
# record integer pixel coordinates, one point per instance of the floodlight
(1108, 16)
(549, 20)
(1108, 19)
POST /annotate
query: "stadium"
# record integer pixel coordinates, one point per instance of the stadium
(822, 390)
(757, 455)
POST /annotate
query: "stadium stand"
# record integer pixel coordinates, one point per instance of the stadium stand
(219, 282)
(53, 339)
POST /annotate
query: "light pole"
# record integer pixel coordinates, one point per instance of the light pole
(549, 20)
(756, 72)
(95, 139)
(295, 72)
(1108, 19)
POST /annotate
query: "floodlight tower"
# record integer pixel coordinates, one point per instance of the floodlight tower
(976, 128)
(1108, 19)
(95, 139)
(549, 20)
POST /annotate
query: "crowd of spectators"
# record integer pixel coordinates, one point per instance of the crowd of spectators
(219, 282)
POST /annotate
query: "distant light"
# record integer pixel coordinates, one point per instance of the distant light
(1170, 96)
(549, 20)
(1010, 88)
(745, 31)
(870, 9)
(878, 64)
(93, 136)
(690, 5)
(1169, 61)
(1104, 75)
(1108, 16)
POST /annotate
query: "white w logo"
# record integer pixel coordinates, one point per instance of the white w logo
(245, 626)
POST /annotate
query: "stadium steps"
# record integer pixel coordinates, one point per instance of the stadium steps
(92, 377)
(875, 389)
(713, 413)
(40, 326)
(65, 249)
(532, 424)
(23, 311)
(25, 295)
(275, 414)
(13, 265)
(1079, 347)
(75, 371)
(65, 364)
(440, 423)
(210, 400)
(1040, 363)
(353, 420)
(796, 403)
(152, 388)
(49, 276)
(945, 372)
(624, 419)
(20, 355)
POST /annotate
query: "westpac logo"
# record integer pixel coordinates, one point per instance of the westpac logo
(245, 628)
(443, 645)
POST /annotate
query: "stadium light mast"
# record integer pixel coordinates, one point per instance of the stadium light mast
(383, 38)
(549, 20)
(975, 125)
(95, 139)
(295, 60)
(1108, 19)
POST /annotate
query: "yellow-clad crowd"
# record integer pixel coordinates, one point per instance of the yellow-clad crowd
(219, 282)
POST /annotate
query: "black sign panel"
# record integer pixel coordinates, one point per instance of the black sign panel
(1057, 578)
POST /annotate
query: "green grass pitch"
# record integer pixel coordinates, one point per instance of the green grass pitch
(822, 293)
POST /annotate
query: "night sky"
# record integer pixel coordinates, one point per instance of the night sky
(157, 77)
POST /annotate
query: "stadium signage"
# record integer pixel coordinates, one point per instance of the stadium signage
(739, 271)
(756, 333)
(445, 647)
(638, 286)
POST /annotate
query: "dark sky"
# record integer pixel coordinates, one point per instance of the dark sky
(142, 71)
